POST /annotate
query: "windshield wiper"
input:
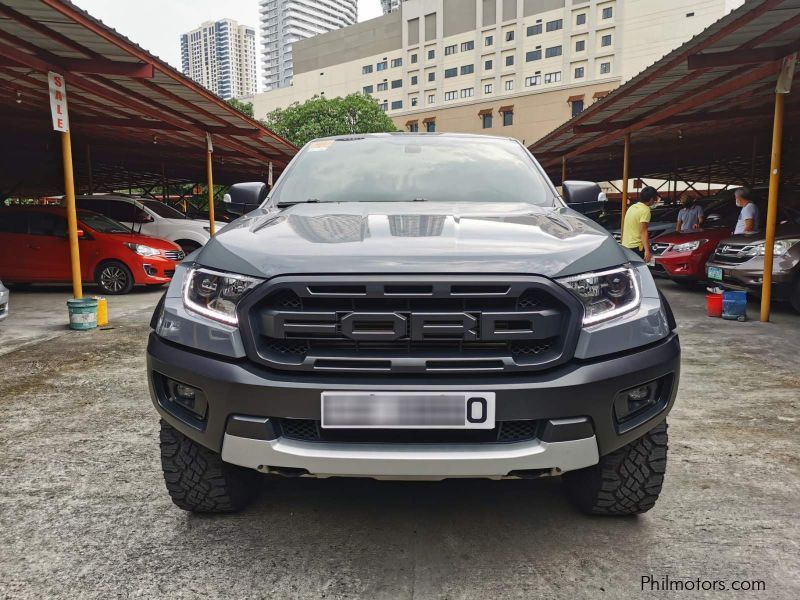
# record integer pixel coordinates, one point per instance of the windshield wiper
(293, 202)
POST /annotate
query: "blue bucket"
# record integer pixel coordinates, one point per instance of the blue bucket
(82, 313)
(734, 305)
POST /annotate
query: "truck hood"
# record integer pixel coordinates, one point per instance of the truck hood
(782, 232)
(412, 237)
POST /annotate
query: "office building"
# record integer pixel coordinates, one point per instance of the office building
(390, 6)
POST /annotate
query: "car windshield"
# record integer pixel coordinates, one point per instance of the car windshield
(401, 168)
(162, 210)
(101, 223)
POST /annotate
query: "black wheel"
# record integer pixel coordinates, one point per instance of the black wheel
(625, 482)
(114, 278)
(794, 299)
(198, 480)
(188, 246)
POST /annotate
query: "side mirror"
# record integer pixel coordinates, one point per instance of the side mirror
(244, 197)
(585, 197)
(81, 234)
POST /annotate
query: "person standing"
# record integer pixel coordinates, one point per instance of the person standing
(748, 216)
(635, 235)
(690, 217)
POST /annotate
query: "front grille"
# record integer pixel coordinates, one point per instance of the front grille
(734, 253)
(309, 430)
(410, 324)
(659, 248)
(176, 255)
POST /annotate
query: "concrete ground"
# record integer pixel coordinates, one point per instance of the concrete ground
(84, 512)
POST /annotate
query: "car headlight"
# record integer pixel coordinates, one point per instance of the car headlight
(688, 246)
(780, 248)
(215, 295)
(143, 250)
(605, 294)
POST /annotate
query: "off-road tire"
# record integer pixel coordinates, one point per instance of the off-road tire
(197, 478)
(625, 482)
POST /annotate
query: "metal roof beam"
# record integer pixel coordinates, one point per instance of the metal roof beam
(678, 120)
(748, 56)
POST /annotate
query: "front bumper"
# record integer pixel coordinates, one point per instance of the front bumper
(579, 389)
(153, 270)
(750, 274)
(687, 265)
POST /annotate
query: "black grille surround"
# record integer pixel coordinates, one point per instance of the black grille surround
(301, 323)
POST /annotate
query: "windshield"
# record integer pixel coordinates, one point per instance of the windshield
(101, 223)
(403, 168)
(162, 210)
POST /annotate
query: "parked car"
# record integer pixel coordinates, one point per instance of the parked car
(34, 249)
(153, 218)
(389, 311)
(4, 301)
(663, 219)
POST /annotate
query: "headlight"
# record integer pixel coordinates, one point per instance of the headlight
(688, 246)
(605, 294)
(216, 295)
(780, 248)
(143, 250)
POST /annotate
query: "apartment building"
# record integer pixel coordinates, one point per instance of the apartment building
(221, 56)
(516, 68)
(390, 5)
(285, 22)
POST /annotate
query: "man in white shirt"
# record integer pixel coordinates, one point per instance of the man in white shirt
(748, 216)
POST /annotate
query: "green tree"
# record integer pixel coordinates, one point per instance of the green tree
(320, 117)
(245, 107)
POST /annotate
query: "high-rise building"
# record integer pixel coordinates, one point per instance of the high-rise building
(221, 56)
(516, 68)
(284, 22)
(390, 5)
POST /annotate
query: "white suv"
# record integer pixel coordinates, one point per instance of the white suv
(153, 218)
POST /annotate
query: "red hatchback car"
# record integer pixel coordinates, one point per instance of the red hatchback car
(34, 249)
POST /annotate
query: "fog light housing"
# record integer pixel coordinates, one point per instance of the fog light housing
(635, 405)
(150, 270)
(186, 402)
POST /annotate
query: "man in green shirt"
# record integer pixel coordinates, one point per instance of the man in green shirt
(634, 231)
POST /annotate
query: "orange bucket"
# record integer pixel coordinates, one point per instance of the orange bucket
(714, 305)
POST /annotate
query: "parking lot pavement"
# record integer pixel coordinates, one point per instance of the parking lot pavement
(84, 512)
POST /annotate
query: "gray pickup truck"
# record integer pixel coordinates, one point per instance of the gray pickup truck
(413, 306)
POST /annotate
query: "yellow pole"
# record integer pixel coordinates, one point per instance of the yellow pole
(563, 169)
(772, 206)
(210, 192)
(72, 218)
(625, 158)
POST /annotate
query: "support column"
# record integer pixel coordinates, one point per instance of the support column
(210, 176)
(563, 169)
(625, 168)
(89, 168)
(72, 218)
(772, 206)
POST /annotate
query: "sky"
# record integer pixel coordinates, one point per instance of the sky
(156, 25)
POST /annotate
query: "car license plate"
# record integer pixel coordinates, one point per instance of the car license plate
(715, 273)
(408, 410)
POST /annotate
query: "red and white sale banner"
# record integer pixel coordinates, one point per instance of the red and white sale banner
(58, 101)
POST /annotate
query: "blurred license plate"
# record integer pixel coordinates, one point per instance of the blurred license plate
(408, 410)
(715, 273)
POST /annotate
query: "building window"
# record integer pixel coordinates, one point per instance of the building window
(577, 107)
(431, 54)
(533, 80)
(382, 87)
(384, 106)
(580, 19)
(397, 104)
(397, 62)
(432, 76)
(414, 101)
(608, 12)
(552, 51)
(487, 65)
(368, 89)
(533, 55)
(580, 45)
(452, 72)
(605, 40)
(605, 68)
(489, 40)
(487, 121)
(448, 50)
(510, 60)
(510, 36)
(467, 92)
(487, 88)
(579, 72)
(467, 46)
(430, 127)
(534, 29)
(552, 77)
(397, 83)
(366, 69)
(413, 127)
(413, 59)
(413, 80)
(554, 25)
(381, 66)
(431, 98)
(451, 95)
(508, 118)
(467, 69)
(509, 85)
